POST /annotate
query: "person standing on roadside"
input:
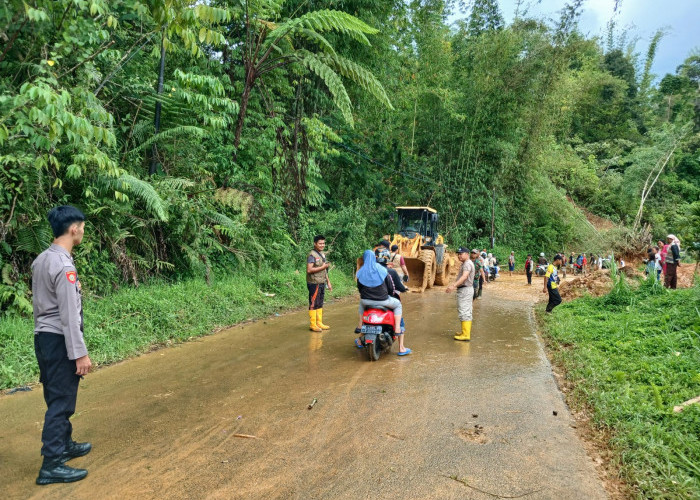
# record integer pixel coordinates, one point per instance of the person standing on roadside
(657, 263)
(572, 261)
(511, 263)
(650, 261)
(398, 263)
(529, 268)
(316, 281)
(562, 255)
(673, 260)
(59, 344)
(551, 283)
(663, 252)
(479, 276)
(464, 285)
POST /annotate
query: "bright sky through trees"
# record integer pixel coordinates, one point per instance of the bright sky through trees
(680, 18)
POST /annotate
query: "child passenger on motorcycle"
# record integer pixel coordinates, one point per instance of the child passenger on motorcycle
(376, 287)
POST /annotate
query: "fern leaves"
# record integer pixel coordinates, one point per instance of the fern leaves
(144, 191)
(361, 76)
(326, 20)
(190, 130)
(326, 64)
(333, 82)
(33, 239)
(327, 67)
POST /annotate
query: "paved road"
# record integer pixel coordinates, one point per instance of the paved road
(164, 425)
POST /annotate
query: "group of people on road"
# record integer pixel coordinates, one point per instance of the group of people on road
(63, 358)
(380, 282)
(664, 258)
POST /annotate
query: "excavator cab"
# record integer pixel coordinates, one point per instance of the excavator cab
(413, 221)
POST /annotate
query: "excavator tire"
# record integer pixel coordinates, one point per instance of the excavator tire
(443, 275)
(428, 257)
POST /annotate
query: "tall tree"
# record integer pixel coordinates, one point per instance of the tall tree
(270, 45)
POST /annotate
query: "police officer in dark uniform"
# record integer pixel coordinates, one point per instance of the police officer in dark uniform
(59, 345)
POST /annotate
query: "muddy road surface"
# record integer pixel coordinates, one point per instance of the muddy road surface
(226, 416)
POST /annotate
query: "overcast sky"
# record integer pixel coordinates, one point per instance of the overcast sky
(680, 18)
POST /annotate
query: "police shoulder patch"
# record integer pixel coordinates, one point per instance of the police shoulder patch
(72, 276)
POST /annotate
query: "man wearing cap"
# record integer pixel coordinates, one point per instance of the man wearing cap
(316, 281)
(59, 344)
(551, 283)
(464, 285)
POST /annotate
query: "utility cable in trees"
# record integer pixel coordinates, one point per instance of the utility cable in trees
(156, 120)
(493, 216)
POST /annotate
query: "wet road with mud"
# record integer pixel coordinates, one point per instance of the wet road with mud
(452, 420)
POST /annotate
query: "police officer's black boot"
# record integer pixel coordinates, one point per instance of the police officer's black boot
(54, 471)
(75, 450)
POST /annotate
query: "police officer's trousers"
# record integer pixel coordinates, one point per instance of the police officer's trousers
(60, 383)
(465, 296)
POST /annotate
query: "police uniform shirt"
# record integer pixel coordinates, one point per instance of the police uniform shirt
(57, 302)
(467, 268)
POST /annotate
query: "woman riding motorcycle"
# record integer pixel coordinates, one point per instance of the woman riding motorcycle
(374, 283)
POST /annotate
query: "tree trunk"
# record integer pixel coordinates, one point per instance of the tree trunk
(647, 187)
(156, 121)
(249, 81)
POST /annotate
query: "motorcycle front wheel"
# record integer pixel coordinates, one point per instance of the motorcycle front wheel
(373, 350)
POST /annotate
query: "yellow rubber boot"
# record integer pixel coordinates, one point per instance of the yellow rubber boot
(319, 320)
(312, 318)
(466, 331)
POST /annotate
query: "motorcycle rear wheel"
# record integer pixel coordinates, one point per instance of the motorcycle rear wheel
(373, 350)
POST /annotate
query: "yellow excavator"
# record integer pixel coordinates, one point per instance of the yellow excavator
(422, 248)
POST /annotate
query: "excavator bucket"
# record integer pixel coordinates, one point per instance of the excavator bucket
(418, 278)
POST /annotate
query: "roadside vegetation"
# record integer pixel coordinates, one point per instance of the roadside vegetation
(630, 357)
(203, 139)
(135, 320)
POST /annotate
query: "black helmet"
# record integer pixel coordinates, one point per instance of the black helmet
(383, 256)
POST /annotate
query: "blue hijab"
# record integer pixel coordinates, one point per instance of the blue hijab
(371, 274)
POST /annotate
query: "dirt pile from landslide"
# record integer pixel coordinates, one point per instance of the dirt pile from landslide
(685, 275)
(596, 283)
(599, 282)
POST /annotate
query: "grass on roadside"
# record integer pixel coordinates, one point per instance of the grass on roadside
(133, 320)
(632, 356)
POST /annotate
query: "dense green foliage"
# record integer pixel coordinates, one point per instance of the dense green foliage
(632, 356)
(135, 320)
(204, 138)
